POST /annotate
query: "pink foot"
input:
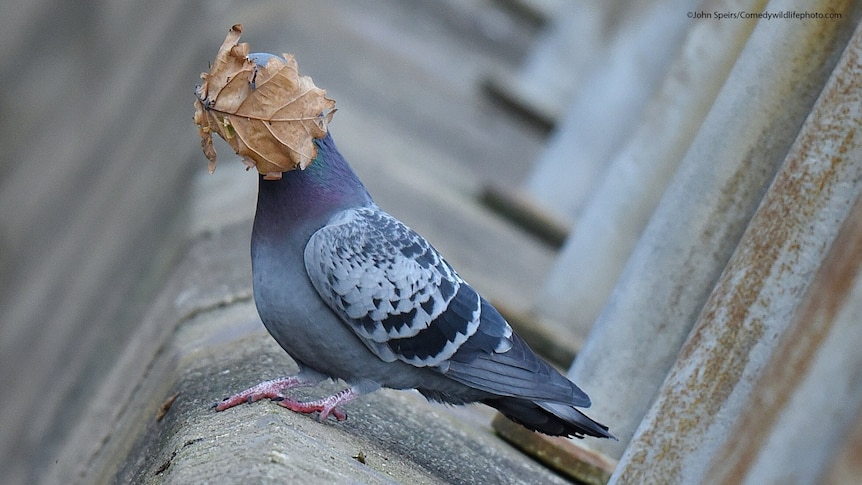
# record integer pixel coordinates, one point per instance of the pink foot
(270, 389)
(325, 406)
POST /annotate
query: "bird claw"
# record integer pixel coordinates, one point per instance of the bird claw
(323, 407)
(269, 389)
(273, 390)
(326, 406)
(245, 397)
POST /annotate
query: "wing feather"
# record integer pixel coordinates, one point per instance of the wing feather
(394, 289)
(405, 302)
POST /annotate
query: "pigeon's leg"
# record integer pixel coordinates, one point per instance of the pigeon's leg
(271, 389)
(325, 406)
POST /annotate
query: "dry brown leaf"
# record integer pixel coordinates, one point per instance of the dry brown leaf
(165, 407)
(268, 113)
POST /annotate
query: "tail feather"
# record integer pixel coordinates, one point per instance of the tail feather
(518, 373)
(553, 419)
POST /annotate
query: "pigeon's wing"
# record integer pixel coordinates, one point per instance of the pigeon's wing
(394, 290)
(405, 302)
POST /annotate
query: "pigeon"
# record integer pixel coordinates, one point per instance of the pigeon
(353, 294)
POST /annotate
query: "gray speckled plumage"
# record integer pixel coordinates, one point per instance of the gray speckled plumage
(351, 293)
(395, 291)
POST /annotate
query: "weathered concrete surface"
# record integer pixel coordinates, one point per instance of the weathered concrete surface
(97, 149)
(95, 183)
(702, 216)
(203, 340)
(717, 374)
(564, 455)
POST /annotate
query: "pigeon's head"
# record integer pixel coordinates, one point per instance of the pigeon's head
(261, 58)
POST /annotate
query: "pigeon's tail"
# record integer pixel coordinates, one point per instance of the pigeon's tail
(553, 419)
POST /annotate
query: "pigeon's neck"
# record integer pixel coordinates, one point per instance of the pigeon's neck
(303, 200)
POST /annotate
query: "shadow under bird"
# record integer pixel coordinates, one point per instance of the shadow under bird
(352, 293)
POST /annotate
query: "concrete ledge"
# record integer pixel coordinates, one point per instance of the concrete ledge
(214, 272)
(202, 341)
(567, 456)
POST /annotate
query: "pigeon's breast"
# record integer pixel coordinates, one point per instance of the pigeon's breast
(307, 329)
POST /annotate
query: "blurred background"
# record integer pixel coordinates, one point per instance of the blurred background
(586, 165)
(101, 160)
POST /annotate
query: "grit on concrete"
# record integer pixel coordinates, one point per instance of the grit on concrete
(412, 121)
(202, 341)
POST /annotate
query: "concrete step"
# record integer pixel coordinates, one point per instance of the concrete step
(152, 419)
(104, 146)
